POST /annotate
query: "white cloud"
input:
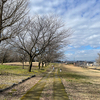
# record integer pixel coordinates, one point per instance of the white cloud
(45, 6)
(83, 16)
(87, 55)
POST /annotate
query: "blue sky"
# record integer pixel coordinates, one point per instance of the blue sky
(83, 17)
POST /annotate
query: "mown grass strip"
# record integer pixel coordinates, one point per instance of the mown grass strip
(59, 90)
(35, 92)
(47, 93)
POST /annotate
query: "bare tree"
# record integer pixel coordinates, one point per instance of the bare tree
(42, 32)
(12, 13)
(22, 56)
(4, 53)
(13, 56)
(98, 59)
(41, 59)
(53, 53)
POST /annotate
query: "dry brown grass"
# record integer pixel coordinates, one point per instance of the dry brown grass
(80, 84)
(16, 75)
(20, 64)
(18, 91)
(85, 88)
(94, 75)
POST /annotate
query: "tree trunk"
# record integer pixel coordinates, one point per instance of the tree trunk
(42, 64)
(2, 63)
(39, 65)
(23, 65)
(1, 10)
(30, 64)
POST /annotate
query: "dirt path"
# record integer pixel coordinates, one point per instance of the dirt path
(48, 88)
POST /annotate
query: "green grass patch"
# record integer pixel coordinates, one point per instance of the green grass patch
(86, 82)
(34, 93)
(8, 67)
(17, 70)
(2, 86)
(59, 89)
(10, 93)
(14, 90)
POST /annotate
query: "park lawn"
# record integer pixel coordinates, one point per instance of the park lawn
(9, 69)
(14, 74)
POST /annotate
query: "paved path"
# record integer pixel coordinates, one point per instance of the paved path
(40, 90)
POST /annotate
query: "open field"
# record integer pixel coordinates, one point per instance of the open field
(14, 74)
(20, 64)
(49, 87)
(81, 83)
(94, 67)
(73, 83)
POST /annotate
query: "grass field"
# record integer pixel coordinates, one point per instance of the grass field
(81, 83)
(20, 64)
(44, 90)
(11, 73)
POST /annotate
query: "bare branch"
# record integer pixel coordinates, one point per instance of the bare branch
(12, 13)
